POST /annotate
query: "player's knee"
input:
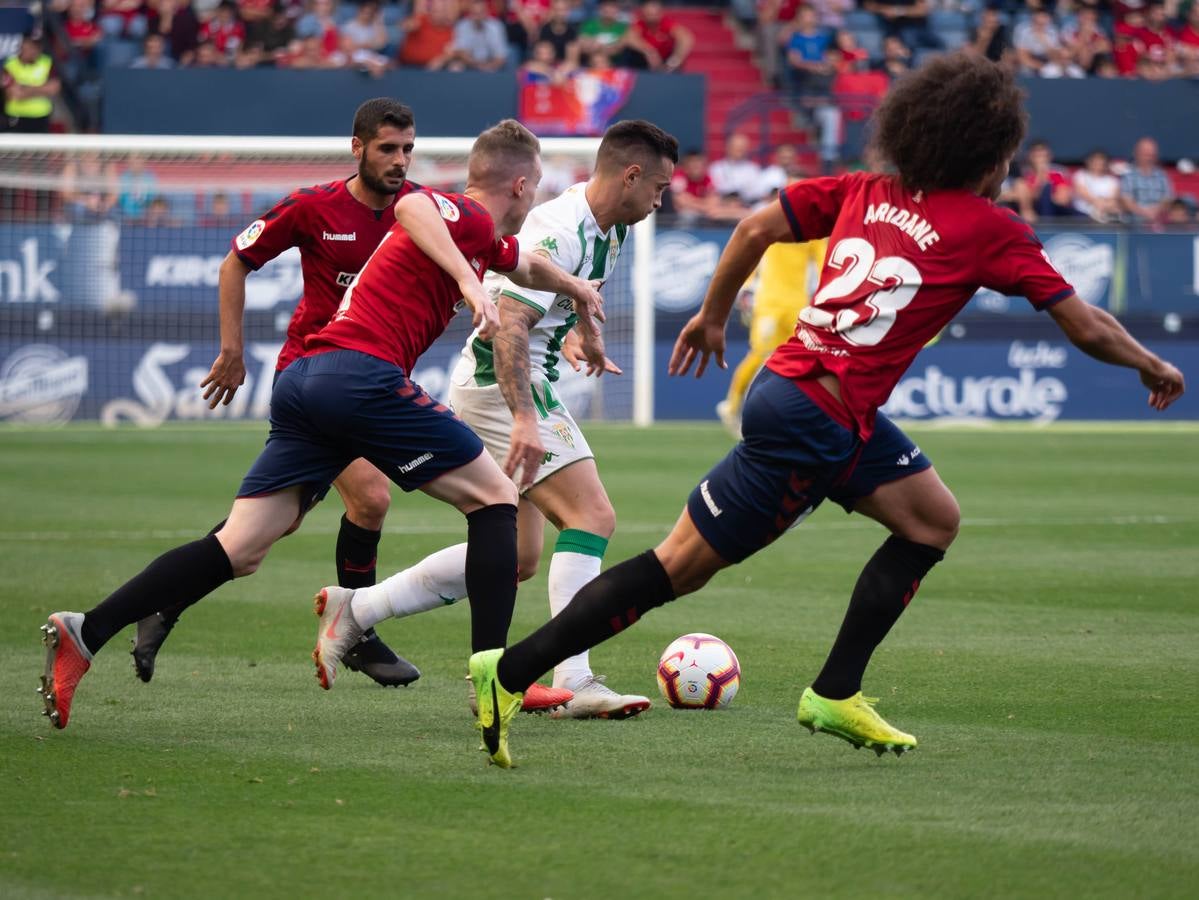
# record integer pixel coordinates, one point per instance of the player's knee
(527, 566)
(244, 561)
(368, 508)
(595, 517)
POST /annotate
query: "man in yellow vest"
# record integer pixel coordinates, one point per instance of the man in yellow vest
(775, 293)
(30, 86)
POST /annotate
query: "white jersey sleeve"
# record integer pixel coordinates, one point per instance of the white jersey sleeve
(554, 237)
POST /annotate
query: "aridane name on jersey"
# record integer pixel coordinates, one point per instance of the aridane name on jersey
(565, 231)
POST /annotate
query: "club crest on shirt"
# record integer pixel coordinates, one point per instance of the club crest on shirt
(251, 234)
(449, 211)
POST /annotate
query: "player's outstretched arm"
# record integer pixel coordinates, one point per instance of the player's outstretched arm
(538, 272)
(513, 371)
(228, 371)
(1097, 333)
(703, 335)
(424, 224)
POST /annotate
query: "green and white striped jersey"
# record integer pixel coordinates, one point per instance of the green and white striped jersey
(565, 230)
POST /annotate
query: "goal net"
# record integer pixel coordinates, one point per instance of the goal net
(110, 248)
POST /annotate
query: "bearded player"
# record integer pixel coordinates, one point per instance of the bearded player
(336, 226)
(907, 251)
(504, 390)
(349, 397)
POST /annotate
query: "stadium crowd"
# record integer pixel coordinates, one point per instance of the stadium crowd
(803, 47)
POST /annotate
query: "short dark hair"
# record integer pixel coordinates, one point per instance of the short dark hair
(499, 150)
(632, 141)
(374, 114)
(951, 122)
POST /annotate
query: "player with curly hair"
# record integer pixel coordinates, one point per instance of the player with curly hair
(907, 251)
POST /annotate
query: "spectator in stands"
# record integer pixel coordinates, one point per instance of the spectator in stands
(542, 66)
(366, 30)
(224, 30)
(350, 56)
(154, 54)
(1159, 40)
(522, 22)
(176, 21)
(429, 32)
(781, 171)
(737, 176)
(658, 39)
(1096, 189)
(1128, 44)
(220, 212)
(123, 18)
(831, 13)
(605, 31)
(1043, 190)
(991, 38)
(1188, 42)
(849, 56)
(897, 57)
(907, 20)
(137, 185)
(561, 34)
(30, 86)
(208, 57)
(306, 53)
(1105, 67)
(1145, 189)
(1180, 212)
(88, 189)
(694, 194)
(257, 16)
(158, 214)
(1085, 40)
(275, 43)
(83, 33)
(775, 20)
(479, 41)
(1040, 50)
(320, 22)
(809, 72)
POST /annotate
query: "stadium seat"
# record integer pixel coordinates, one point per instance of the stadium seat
(859, 19)
(119, 54)
(954, 37)
(941, 20)
(871, 40)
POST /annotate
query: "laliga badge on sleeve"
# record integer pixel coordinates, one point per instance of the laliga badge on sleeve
(251, 234)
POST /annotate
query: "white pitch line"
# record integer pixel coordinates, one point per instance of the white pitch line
(628, 528)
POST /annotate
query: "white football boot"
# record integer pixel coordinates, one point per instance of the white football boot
(595, 700)
(336, 632)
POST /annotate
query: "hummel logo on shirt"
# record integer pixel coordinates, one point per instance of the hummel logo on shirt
(331, 236)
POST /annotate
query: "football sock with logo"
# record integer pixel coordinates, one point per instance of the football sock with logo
(576, 561)
(491, 565)
(437, 580)
(357, 551)
(171, 614)
(605, 606)
(884, 589)
(188, 572)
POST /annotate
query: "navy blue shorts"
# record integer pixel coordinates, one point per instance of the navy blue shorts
(791, 457)
(327, 410)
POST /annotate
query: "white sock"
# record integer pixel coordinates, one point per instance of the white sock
(437, 580)
(576, 560)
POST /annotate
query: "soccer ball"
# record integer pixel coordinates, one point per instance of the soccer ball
(699, 671)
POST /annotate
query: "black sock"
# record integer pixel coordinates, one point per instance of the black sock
(604, 606)
(171, 614)
(491, 574)
(357, 550)
(882, 593)
(188, 573)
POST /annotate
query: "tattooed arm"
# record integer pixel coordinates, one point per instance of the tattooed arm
(513, 371)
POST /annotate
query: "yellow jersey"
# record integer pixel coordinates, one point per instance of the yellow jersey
(785, 274)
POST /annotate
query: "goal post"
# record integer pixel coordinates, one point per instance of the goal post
(110, 248)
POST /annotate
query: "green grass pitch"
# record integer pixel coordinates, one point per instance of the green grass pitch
(1049, 667)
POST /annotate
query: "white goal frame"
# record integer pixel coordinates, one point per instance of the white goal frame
(580, 148)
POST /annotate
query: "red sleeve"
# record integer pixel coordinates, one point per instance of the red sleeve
(265, 238)
(1017, 265)
(505, 255)
(812, 205)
